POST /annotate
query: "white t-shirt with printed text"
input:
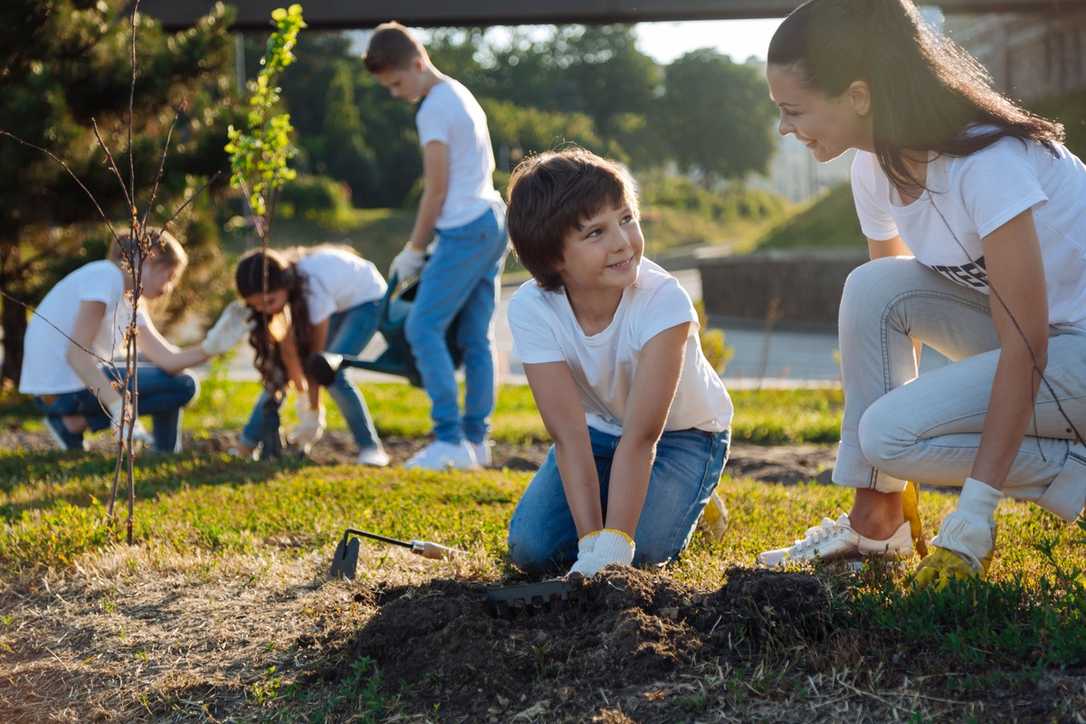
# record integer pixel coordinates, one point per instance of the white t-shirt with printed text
(973, 196)
(336, 280)
(450, 114)
(604, 365)
(45, 353)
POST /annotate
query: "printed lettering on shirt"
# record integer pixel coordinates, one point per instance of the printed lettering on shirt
(972, 275)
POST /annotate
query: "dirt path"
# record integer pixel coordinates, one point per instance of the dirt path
(785, 464)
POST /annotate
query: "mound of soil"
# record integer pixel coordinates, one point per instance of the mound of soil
(624, 628)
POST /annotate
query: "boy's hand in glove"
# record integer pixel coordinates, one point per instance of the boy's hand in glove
(407, 264)
(228, 330)
(603, 548)
(966, 539)
(120, 432)
(310, 425)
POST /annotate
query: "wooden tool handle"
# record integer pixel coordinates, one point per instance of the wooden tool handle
(426, 549)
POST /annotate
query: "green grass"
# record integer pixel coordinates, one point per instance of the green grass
(826, 222)
(762, 417)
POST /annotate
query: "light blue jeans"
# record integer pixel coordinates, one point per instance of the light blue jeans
(688, 464)
(349, 332)
(898, 426)
(461, 277)
(160, 395)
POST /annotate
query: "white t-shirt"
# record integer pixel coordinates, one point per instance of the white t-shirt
(45, 363)
(337, 280)
(604, 365)
(977, 194)
(450, 114)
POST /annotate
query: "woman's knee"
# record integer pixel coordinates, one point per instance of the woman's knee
(529, 551)
(883, 431)
(188, 387)
(872, 285)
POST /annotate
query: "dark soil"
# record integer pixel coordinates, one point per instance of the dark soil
(785, 464)
(454, 659)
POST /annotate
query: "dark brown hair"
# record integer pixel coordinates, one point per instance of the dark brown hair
(927, 92)
(392, 47)
(550, 195)
(282, 270)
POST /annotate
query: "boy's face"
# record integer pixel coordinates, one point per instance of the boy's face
(405, 84)
(159, 278)
(603, 252)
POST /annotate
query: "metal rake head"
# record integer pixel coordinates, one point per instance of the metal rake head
(529, 598)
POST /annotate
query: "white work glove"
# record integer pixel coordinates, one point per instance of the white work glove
(120, 432)
(603, 548)
(407, 264)
(970, 530)
(232, 325)
(310, 425)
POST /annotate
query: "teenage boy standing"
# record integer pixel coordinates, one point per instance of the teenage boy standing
(461, 207)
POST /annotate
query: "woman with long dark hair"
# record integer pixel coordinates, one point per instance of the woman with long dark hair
(326, 298)
(975, 215)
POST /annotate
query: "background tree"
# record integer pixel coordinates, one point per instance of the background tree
(716, 116)
(63, 63)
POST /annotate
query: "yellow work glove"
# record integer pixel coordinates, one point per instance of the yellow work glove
(966, 539)
(714, 518)
(910, 506)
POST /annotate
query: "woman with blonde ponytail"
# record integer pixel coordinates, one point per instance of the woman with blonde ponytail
(975, 215)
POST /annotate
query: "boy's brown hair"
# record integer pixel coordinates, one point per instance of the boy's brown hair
(550, 195)
(392, 47)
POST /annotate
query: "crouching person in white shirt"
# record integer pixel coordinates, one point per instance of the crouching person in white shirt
(640, 420)
(80, 325)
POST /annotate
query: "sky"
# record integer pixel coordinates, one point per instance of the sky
(738, 38)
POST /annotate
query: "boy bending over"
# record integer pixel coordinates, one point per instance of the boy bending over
(640, 420)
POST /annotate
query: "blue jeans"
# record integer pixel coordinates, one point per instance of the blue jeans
(161, 395)
(461, 277)
(688, 464)
(349, 332)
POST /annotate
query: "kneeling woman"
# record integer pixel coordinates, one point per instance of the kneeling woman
(81, 324)
(990, 208)
(322, 299)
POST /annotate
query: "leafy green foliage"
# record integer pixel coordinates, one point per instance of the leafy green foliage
(828, 221)
(259, 155)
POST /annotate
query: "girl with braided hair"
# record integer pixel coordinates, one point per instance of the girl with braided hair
(975, 215)
(325, 298)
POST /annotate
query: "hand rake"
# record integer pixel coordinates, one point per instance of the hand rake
(345, 560)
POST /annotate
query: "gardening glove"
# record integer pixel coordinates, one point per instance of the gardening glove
(231, 326)
(310, 425)
(407, 264)
(609, 547)
(966, 539)
(120, 432)
(910, 508)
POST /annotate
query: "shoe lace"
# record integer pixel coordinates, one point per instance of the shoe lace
(818, 534)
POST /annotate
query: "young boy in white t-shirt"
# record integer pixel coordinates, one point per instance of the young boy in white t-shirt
(640, 420)
(460, 280)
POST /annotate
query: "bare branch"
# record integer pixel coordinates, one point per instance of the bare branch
(190, 199)
(71, 173)
(131, 106)
(161, 172)
(112, 162)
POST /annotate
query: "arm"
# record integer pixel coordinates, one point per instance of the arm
(161, 353)
(1012, 256)
(288, 349)
(653, 389)
(318, 339)
(88, 320)
(435, 170)
(563, 415)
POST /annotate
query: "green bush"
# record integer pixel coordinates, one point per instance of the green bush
(313, 197)
(716, 350)
(732, 204)
(827, 222)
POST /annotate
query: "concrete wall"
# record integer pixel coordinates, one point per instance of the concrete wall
(806, 286)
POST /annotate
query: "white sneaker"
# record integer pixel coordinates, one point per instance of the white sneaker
(440, 455)
(483, 454)
(834, 539)
(375, 456)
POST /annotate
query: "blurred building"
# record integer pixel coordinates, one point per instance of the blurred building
(1030, 56)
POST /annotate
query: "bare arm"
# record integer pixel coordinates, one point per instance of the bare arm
(88, 320)
(288, 348)
(877, 249)
(563, 415)
(160, 352)
(1012, 256)
(435, 169)
(318, 339)
(654, 385)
